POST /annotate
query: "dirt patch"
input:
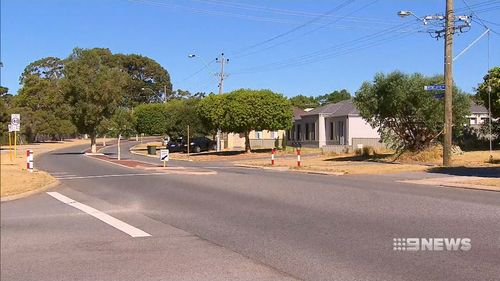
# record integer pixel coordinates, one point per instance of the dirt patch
(488, 182)
(16, 179)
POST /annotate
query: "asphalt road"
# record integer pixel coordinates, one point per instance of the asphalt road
(244, 224)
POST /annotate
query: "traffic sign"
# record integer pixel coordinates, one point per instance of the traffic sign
(164, 154)
(15, 119)
(14, 128)
(439, 96)
(434, 88)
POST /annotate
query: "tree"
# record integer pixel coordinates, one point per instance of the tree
(244, 110)
(304, 102)
(491, 79)
(183, 113)
(407, 116)
(334, 97)
(92, 88)
(152, 119)
(148, 80)
(41, 102)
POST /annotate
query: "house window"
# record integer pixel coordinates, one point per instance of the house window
(274, 135)
(313, 132)
(307, 131)
(258, 135)
(473, 121)
(331, 130)
(298, 132)
(484, 120)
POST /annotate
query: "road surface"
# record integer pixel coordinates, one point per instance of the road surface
(242, 224)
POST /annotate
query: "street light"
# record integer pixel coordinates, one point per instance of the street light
(156, 94)
(218, 137)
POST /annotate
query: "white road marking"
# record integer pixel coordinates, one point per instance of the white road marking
(58, 173)
(110, 176)
(114, 222)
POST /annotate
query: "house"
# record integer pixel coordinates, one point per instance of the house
(332, 124)
(258, 139)
(479, 115)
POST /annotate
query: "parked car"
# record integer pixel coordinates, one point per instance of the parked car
(176, 145)
(198, 144)
(201, 144)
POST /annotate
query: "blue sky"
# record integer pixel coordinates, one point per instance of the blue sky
(291, 47)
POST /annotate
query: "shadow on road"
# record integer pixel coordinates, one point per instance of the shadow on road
(468, 171)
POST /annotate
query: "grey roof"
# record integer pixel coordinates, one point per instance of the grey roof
(297, 113)
(476, 108)
(342, 108)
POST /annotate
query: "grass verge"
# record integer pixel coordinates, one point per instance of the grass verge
(16, 179)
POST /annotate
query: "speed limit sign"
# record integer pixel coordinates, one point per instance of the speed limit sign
(15, 119)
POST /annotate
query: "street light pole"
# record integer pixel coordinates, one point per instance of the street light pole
(448, 82)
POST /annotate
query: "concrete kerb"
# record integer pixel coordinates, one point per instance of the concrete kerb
(131, 150)
(287, 169)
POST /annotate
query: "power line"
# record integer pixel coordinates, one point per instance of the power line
(332, 51)
(306, 33)
(340, 6)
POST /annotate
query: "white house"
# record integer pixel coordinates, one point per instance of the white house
(332, 124)
(479, 115)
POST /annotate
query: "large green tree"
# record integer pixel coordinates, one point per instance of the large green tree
(304, 102)
(41, 103)
(407, 116)
(492, 79)
(152, 118)
(148, 81)
(333, 97)
(244, 110)
(93, 88)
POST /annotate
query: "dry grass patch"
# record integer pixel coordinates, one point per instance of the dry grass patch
(488, 182)
(16, 179)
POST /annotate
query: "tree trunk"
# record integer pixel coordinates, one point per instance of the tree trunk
(248, 149)
(93, 143)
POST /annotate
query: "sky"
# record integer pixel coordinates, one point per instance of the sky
(292, 47)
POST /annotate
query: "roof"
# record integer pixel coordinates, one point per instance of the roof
(342, 108)
(297, 113)
(476, 108)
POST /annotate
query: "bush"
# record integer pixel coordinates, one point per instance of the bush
(365, 151)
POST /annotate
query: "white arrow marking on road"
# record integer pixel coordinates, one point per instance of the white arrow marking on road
(114, 222)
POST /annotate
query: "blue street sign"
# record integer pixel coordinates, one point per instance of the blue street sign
(439, 96)
(434, 88)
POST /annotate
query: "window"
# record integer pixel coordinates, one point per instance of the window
(298, 132)
(473, 121)
(484, 120)
(331, 130)
(307, 131)
(258, 135)
(274, 134)
(313, 131)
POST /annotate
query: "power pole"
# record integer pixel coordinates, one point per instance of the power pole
(447, 31)
(448, 82)
(221, 75)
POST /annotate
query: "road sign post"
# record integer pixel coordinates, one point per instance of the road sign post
(164, 156)
(15, 125)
